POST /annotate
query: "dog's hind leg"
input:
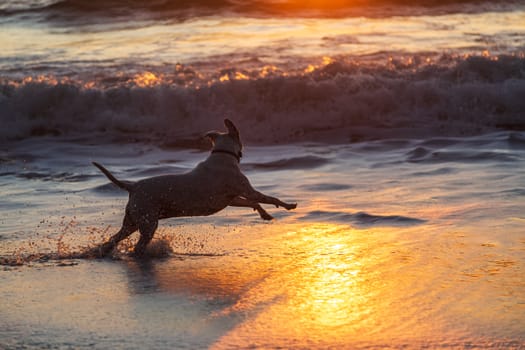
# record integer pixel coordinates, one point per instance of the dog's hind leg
(243, 202)
(147, 230)
(128, 227)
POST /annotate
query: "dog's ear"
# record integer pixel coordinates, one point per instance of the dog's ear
(232, 129)
(212, 135)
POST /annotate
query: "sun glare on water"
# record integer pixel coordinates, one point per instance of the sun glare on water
(147, 79)
(331, 285)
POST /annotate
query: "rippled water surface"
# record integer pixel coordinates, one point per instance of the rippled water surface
(398, 243)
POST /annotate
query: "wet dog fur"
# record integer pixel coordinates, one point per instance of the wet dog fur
(211, 186)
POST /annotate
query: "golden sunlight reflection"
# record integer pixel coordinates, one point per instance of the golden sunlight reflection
(325, 60)
(268, 70)
(233, 76)
(332, 292)
(331, 284)
(147, 79)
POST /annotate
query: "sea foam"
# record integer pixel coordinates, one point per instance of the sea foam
(342, 101)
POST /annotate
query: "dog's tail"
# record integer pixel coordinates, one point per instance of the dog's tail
(125, 185)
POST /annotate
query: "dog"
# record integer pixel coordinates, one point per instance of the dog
(211, 186)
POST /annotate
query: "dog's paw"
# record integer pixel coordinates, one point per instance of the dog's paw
(266, 216)
(290, 206)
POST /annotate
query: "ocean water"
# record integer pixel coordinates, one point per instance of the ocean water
(397, 126)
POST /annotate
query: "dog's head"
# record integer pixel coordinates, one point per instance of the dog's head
(228, 142)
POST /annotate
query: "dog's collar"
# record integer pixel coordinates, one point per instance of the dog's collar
(236, 156)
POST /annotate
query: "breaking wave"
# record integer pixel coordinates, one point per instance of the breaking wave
(342, 101)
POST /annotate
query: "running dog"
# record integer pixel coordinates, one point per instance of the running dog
(210, 187)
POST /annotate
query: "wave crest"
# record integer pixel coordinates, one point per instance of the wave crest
(340, 102)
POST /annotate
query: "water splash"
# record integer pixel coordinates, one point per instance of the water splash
(83, 243)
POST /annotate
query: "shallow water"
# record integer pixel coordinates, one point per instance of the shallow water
(399, 243)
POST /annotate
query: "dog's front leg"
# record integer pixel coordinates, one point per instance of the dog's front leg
(251, 194)
(245, 203)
